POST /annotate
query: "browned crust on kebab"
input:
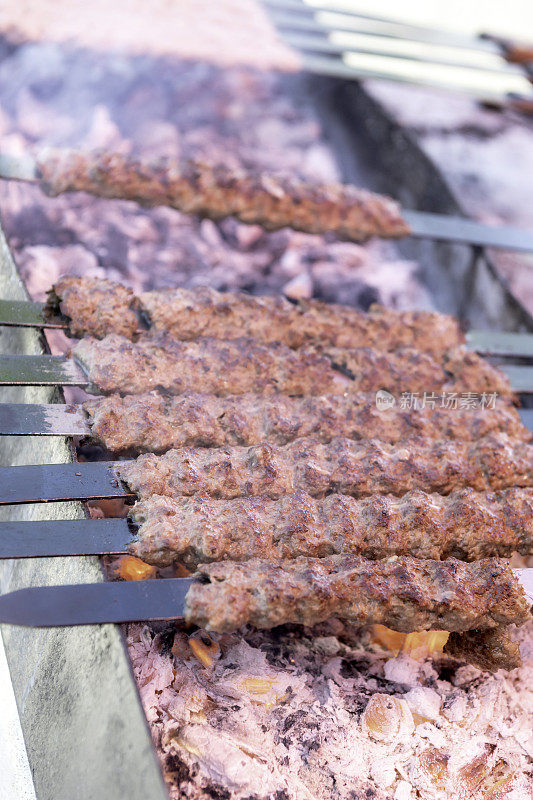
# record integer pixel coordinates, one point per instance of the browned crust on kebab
(94, 306)
(216, 191)
(156, 423)
(409, 370)
(239, 366)
(189, 313)
(405, 594)
(466, 524)
(489, 650)
(342, 465)
(157, 361)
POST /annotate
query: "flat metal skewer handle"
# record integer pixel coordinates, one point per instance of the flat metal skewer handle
(67, 537)
(95, 603)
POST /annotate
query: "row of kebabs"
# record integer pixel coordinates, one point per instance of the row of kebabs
(434, 484)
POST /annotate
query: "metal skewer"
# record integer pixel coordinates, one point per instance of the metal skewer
(130, 601)
(342, 17)
(95, 603)
(67, 537)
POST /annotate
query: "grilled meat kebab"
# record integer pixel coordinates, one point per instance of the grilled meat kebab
(405, 594)
(97, 307)
(156, 423)
(216, 191)
(466, 524)
(239, 366)
(342, 465)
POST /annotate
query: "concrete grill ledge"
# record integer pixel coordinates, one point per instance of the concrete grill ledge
(85, 731)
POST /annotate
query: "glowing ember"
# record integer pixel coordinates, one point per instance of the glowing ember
(418, 645)
(204, 648)
(131, 568)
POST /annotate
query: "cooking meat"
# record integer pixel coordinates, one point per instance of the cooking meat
(156, 423)
(342, 465)
(94, 306)
(405, 594)
(115, 364)
(216, 191)
(238, 366)
(489, 650)
(190, 313)
(225, 315)
(466, 525)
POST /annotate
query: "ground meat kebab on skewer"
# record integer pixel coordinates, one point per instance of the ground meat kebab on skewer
(405, 594)
(239, 366)
(466, 524)
(156, 423)
(97, 307)
(215, 191)
(342, 465)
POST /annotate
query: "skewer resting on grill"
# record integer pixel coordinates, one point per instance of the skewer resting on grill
(466, 525)
(155, 423)
(97, 307)
(216, 191)
(343, 466)
(273, 201)
(406, 594)
(239, 366)
(359, 469)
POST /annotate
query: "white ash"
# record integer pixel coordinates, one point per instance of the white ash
(299, 714)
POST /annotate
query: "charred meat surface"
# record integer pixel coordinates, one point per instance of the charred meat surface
(405, 594)
(156, 423)
(191, 313)
(215, 191)
(466, 525)
(342, 465)
(240, 366)
(94, 306)
(489, 650)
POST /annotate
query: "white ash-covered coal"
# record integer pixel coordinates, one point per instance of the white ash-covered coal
(299, 714)
(58, 95)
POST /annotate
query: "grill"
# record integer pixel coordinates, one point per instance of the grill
(109, 706)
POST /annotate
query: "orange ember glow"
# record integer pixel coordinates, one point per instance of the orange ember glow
(417, 645)
(131, 568)
(204, 648)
